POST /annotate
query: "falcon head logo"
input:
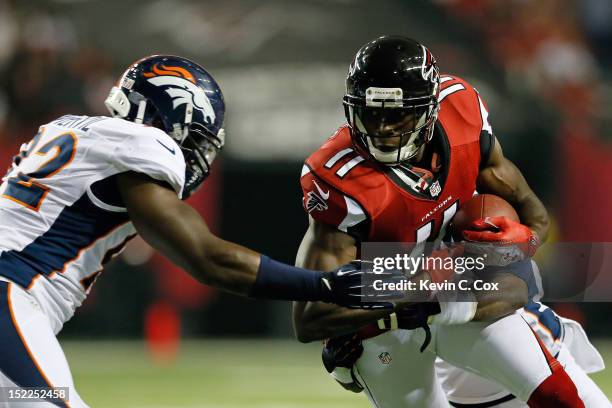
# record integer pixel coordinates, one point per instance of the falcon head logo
(428, 66)
(317, 200)
(180, 84)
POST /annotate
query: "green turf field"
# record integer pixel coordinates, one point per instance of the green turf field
(220, 374)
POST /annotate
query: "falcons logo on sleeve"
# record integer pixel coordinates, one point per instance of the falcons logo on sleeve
(317, 200)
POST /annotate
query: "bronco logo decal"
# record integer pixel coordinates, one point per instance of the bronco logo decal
(181, 86)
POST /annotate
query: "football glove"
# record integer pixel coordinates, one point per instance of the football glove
(352, 286)
(339, 355)
(410, 317)
(503, 241)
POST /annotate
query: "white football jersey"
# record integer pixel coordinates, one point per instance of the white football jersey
(61, 216)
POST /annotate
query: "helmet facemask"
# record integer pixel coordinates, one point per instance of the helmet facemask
(391, 131)
(198, 144)
(200, 148)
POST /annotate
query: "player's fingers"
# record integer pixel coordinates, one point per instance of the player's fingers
(373, 306)
(479, 225)
(348, 344)
(499, 221)
(486, 224)
(480, 236)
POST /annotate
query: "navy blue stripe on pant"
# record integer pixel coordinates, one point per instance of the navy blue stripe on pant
(15, 360)
(490, 404)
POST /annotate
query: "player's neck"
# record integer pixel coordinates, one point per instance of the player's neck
(430, 158)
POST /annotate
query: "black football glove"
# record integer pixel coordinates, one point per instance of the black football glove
(412, 316)
(339, 355)
(351, 286)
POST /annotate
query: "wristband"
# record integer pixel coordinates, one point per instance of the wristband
(279, 281)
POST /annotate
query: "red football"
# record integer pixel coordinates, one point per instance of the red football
(481, 206)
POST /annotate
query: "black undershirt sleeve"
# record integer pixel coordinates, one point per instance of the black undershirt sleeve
(487, 142)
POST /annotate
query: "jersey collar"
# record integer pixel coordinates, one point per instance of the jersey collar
(409, 181)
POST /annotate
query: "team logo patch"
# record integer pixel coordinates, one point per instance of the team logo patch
(385, 358)
(317, 200)
(428, 67)
(435, 189)
(181, 86)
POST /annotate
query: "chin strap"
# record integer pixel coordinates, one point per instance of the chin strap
(422, 179)
(142, 106)
(435, 162)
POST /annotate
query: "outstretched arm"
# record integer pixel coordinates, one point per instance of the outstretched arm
(178, 231)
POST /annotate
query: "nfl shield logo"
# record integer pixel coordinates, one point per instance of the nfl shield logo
(385, 358)
(435, 189)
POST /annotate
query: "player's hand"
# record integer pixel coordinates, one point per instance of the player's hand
(16, 160)
(519, 241)
(410, 316)
(339, 355)
(352, 286)
(442, 271)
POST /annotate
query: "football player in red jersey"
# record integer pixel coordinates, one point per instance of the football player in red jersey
(418, 144)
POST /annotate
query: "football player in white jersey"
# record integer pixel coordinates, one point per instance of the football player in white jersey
(84, 186)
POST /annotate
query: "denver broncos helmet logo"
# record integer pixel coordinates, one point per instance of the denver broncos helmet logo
(180, 84)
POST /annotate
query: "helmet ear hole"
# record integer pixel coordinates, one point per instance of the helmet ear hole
(117, 103)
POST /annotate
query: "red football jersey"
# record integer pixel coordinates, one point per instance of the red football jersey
(373, 202)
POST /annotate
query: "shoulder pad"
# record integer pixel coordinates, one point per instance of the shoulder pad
(142, 149)
(458, 99)
(336, 160)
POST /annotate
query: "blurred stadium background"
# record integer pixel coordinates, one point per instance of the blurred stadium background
(149, 336)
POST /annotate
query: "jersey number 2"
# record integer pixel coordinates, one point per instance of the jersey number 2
(23, 188)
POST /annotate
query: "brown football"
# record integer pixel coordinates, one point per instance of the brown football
(481, 206)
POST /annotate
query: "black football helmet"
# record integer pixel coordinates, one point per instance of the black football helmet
(181, 98)
(391, 100)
